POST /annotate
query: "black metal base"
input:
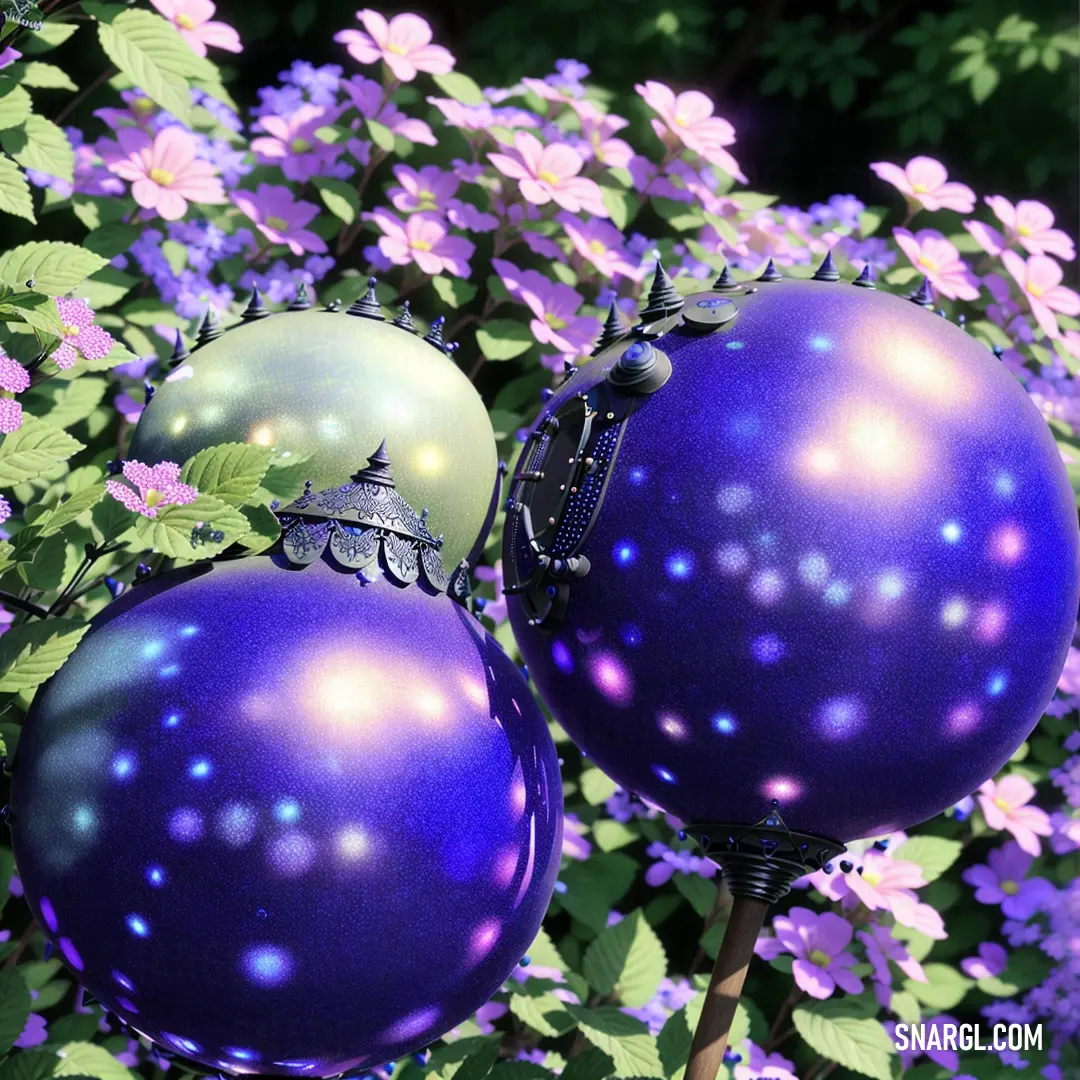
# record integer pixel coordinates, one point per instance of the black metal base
(763, 860)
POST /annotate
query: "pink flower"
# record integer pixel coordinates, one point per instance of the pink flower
(574, 844)
(991, 961)
(923, 182)
(546, 173)
(597, 128)
(81, 336)
(13, 376)
(404, 44)
(1040, 279)
(367, 98)
(1069, 682)
(192, 19)
(939, 260)
(601, 244)
(280, 218)
(818, 943)
(1030, 223)
(881, 947)
(155, 486)
(763, 1066)
(688, 119)
(291, 142)
(427, 189)
(1004, 805)
(164, 172)
(423, 239)
(11, 416)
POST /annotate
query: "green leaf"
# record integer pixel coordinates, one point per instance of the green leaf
(870, 220)
(29, 1065)
(45, 76)
(611, 835)
(596, 786)
(906, 1006)
(39, 144)
(858, 1043)
(945, 987)
(173, 531)
(594, 886)
(15, 104)
(453, 292)
(69, 510)
(623, 1038)
(55, 267)
(984, 83)
(673, 1043)
(14, 993)
(621, 205)
(64, 404)
(112, 239)
(285, 478)
(15, 198)
(503, 339)
(626, 959)
(545, 1014)
(932, 854)
(232, 472)
(33, 450)
(543, 952)
(459, 87)
(35, 310)
(680, 216)
(48, 37)
(340, 198)
(590, 1064)
(153, 55)
(381, 135)
(31, 652)
(265, 528)
(89, 1059)
(480, 1062)
(701, 892)
(49, 566)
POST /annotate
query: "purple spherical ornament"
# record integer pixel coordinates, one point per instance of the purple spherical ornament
(828, 565)
(287, 821)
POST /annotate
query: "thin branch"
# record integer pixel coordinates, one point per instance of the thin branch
(8, 600)
(83, 94)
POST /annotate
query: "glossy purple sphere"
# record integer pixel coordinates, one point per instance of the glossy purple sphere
(284, 822)
(835, 565)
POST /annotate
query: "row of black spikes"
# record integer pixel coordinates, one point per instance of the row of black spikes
(365, 307)
(664, 300)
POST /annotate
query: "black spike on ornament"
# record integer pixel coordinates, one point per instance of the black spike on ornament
(210, 329)
(378, 469)
(865, 280)
(180, 351)
(664, 299)
(923, 296)
(255, 309)
(367, 306)
(612, 330)
(301, 302)
(434, 336)
(827, 270)
(404, 319)
(770, 273)
(725, 282)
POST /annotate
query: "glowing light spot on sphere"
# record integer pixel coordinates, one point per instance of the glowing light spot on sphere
(352, 843)
(178, 425)
(879, 445)
(153, 649)
(963, 718)
(995, 685)
(185, 1046)
(123, 766)
(287, 811)
(631, 635)
(240, 1054)
(189, 631)
(674, 727)
(292, 853)
(83, 818)
(821, 343)
(783, 788)
(637, 475)
(625, 553)
(122, 980)
(236, 824)
(429, 705)
(735, 345)
(48, 914)
(814, 569)
(564, 659)
(823, 461)
(1007, 544)
(138, 926)
(840, 717)
(665, 774)
(735, 499)
(837, 593)
(954, 613)
(483, 939)
(474, 691)
(329, 426)
(169, 671)
(171, 721)
(767, 649)
(990, 623)
(267, 965)
(155, 876)
(1004, 485)
(261, 435)
(186, 825)
(412, 1025)
(732, 559)
(506, 865)
(71, 954)
(951, 532)
(767, 587)
(429, 460)
(724, 723)
(679, 566)
(518, 793)
(200, 769)
(610, 677)
(891, 585)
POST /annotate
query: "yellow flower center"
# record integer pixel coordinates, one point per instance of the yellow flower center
(554, 321)
(71, 330)
(681, 121)
(871, 879)
(300, 145)
(142, 105)
(819, 959)
(1009, 888)
(1036, 291)
(1024, 230)
(597, 247)
(185, 22)
(919, 189)
(421, 245)
(153, 497)
(549, 177)
(1001, 804)
(928, 264)
(397, 50)
(425, 195)
(276, 223)
(162, 176)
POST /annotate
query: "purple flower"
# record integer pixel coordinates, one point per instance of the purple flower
(233, 164)
(128, 407)
(948, 1059)
(8, 57)
(291, 142)
(217, 109)
(424, 239)
(672, 862)
(280, 100)
(575, 846)
(991, 961)
(1002, 882)
(602, 245)
(463, 215)
(670, 997)
(763, 1066)
(881, 947)
(281, 218)
(842, 210)
(34, 1034)
(319, 83)
(488, 1013)
(819, 944)
(426, 189)
(367, 97)
(495, 610)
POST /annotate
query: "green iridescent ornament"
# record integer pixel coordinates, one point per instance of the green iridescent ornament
(325, 384)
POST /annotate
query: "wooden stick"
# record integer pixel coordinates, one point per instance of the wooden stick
(729, 974)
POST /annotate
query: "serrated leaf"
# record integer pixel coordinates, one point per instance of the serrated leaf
(701, 892)
(54, 266)
(621, 205)
(29, 1065)
(503, 339)
(45, 76)
(265, 528)
(858, 1043)
(459, 87)
(14, 995)
(932, 854)
(480, 1062)
(673, 1043)
(596, 786)
(340, 198)
(34, 309)
(626, 959)
(89, 1059)
(15, 197)
(453, 292)
(590, 1064)
(945, 987)
(544, 1014)
(612, 835)
(906, 1006)
(174, 531)
(623, 1038)
(7, 552)
(543, 953)
(15, 104)
(64, 404)
(39, 144)
(48, 37)
(594, 886)
(231, 472)
(69, 510)
(984, 82)
(31, 652)
(33, 450)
